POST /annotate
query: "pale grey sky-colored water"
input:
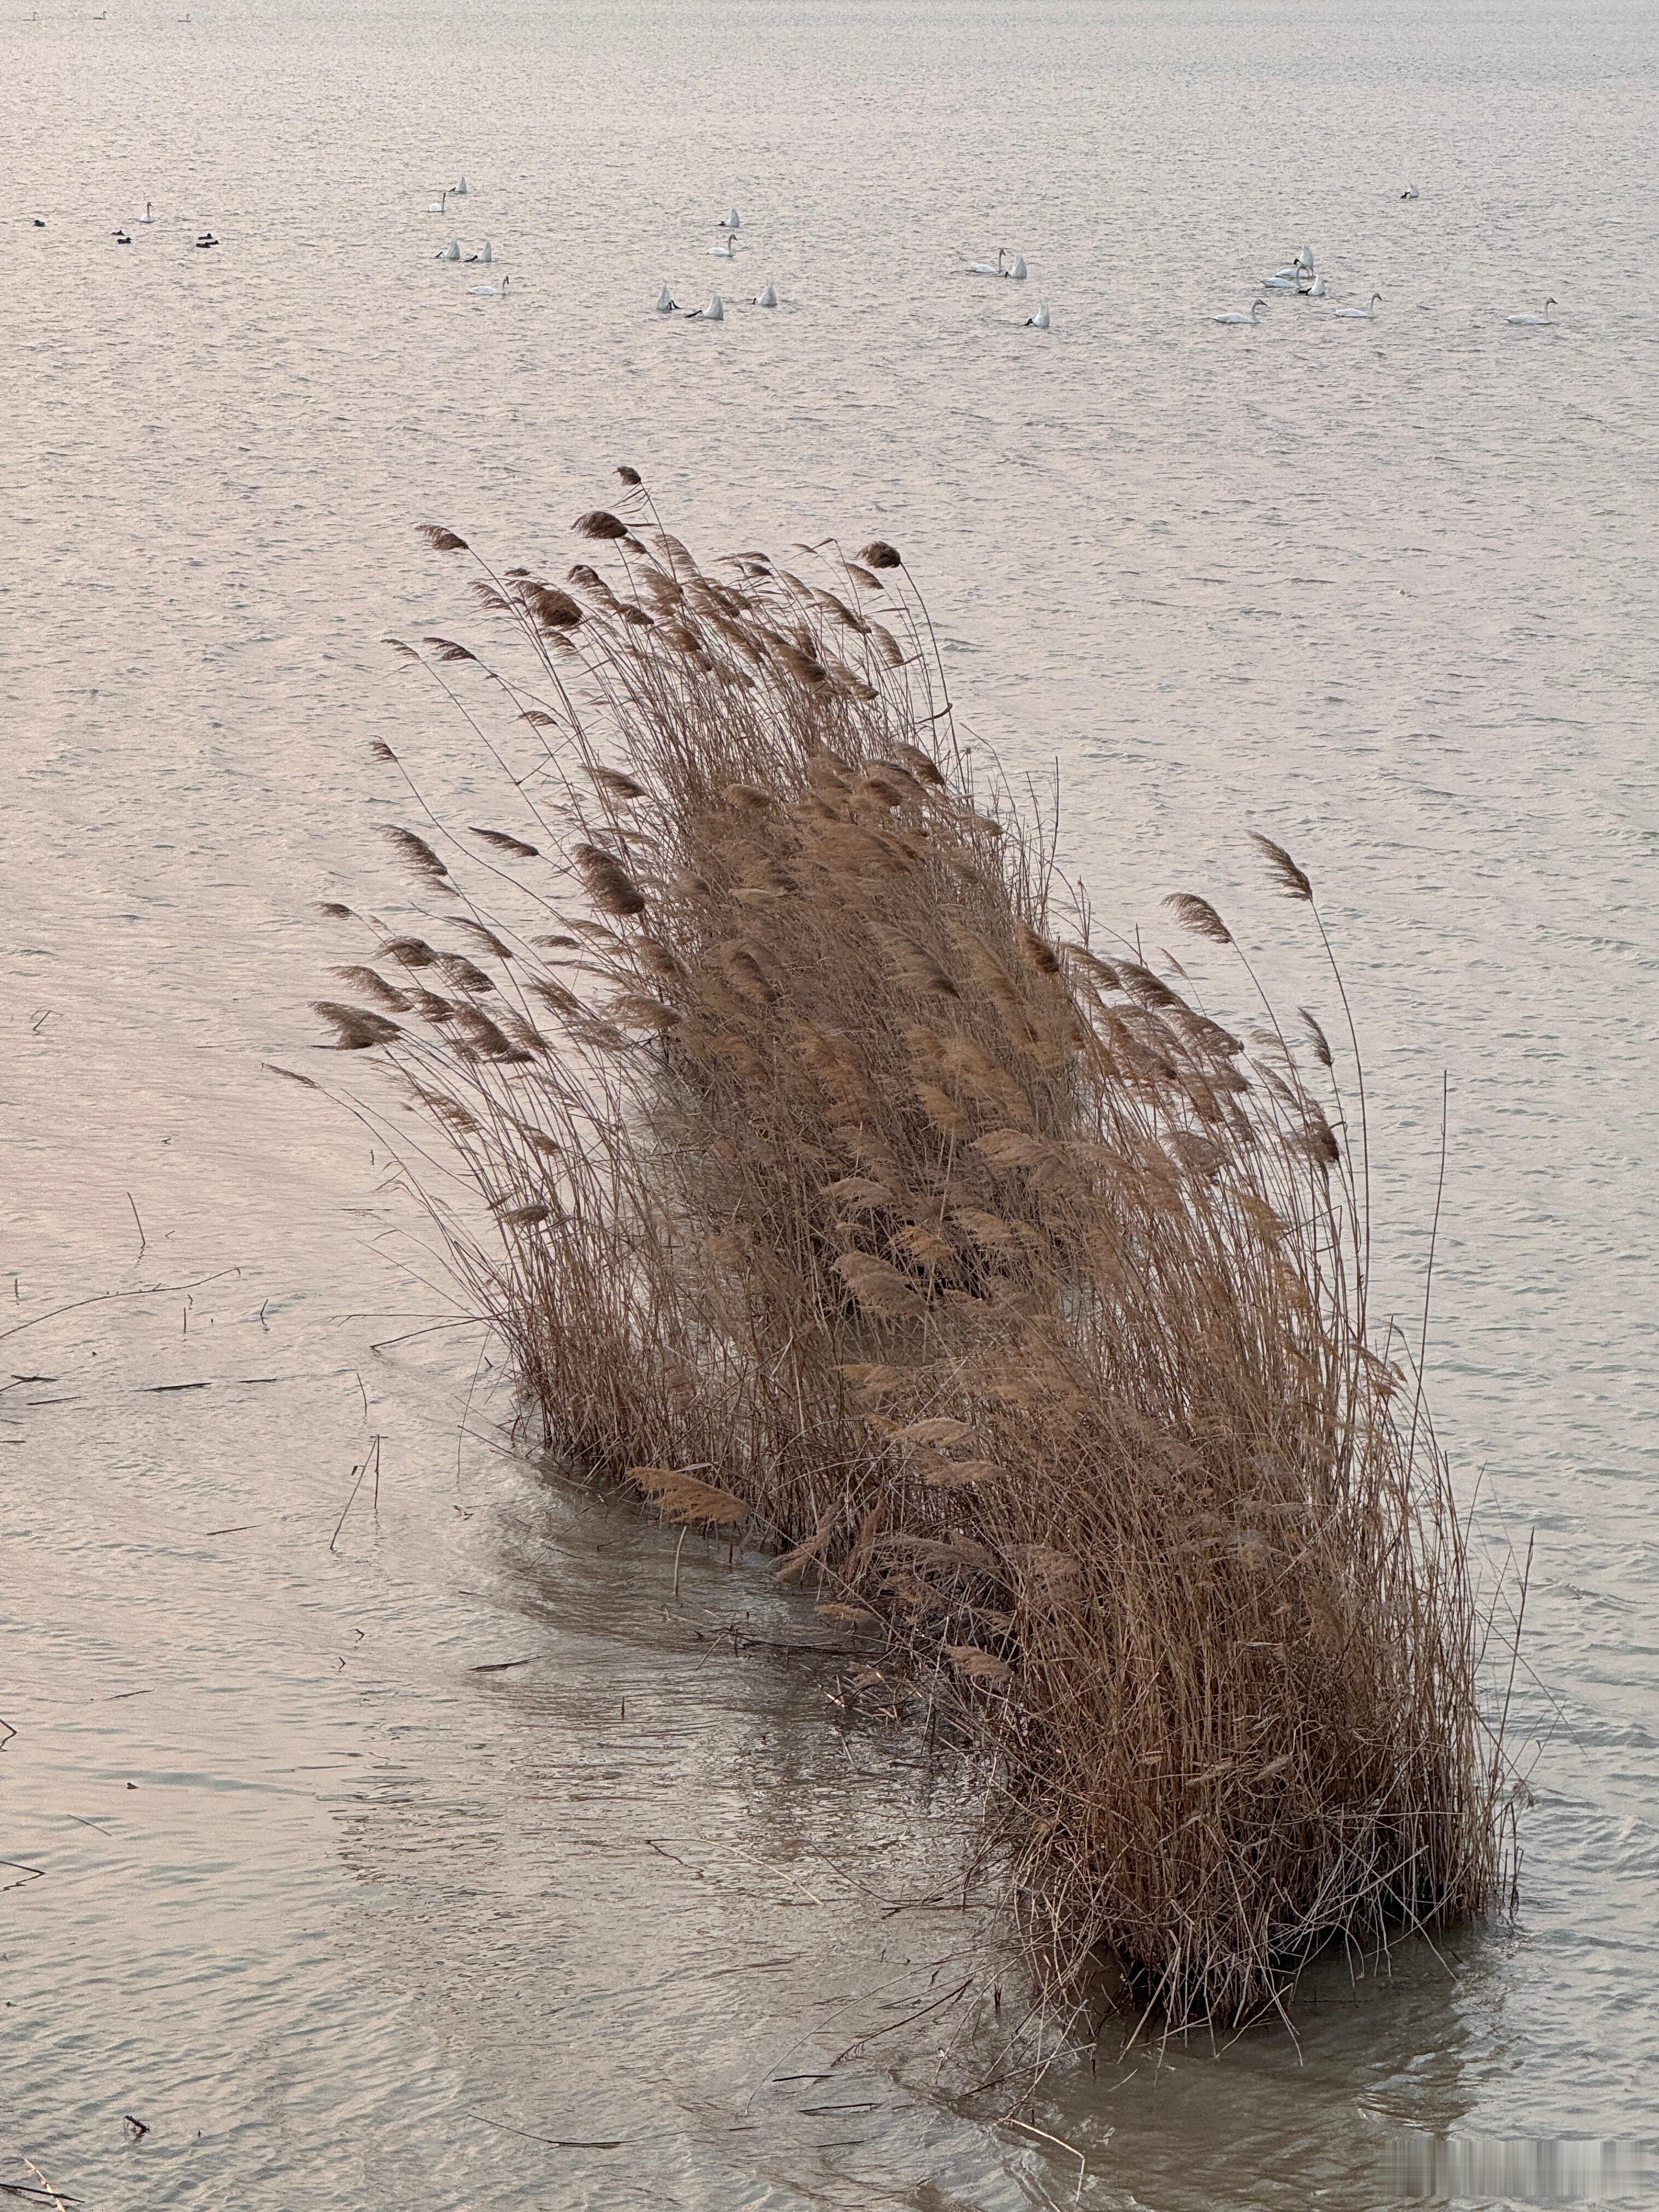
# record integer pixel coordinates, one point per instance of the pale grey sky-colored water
(1384, 590)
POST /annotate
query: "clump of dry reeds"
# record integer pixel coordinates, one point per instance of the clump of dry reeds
(840, 1193)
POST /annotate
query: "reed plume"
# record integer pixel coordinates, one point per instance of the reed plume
(843, 1188)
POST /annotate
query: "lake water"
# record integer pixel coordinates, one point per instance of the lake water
(342, 1918)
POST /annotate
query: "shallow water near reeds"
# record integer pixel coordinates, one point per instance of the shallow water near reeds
(359, 1865)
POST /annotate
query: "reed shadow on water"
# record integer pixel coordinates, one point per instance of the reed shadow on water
(839, 1183)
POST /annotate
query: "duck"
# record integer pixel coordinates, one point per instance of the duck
(450, 252)
(666, 303)
(207, 239)
(148, 215)
(122, 238)
(1536, 322)
(40, 222)
(1360, 314)
(767, 296)
(1039, 321)
(486, 253)
(714, 312)
(1257, 308)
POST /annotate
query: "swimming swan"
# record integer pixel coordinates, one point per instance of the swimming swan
(1018, 271)
(439, 205)
(992, 268)
(486, 253)
(1536, 322)
(1360, 314)
(490, 291)
(733, 221)
(768, 296)
(1257, 307)
(666, 303)
(459, 192)
(148, 215)
(450, 252)
(1319, 289)
(1039, 321)
(714, 312)
(726, 251)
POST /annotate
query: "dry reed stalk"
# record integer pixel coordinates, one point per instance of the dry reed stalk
(835, 1184)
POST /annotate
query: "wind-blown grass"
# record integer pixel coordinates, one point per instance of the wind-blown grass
(845, 1191)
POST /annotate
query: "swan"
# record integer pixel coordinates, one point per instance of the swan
(450, 252)
(486, 253)
(207, 239)
(1283, 283)
(733, 221)
(1019, 272)
(714, 312)
(439, 205)
(1360, 314)
(1257, 307)
(459, 192)
(990, 268)
(726, 251)
(768, 296)
(1410, 192)
(1536, 322)
(666, 303)
(148, 215)
(1039, 321)
(491, 291)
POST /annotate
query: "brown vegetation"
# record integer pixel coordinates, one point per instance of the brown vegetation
(839, 1191)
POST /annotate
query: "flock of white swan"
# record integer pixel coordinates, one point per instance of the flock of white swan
(1301, 278)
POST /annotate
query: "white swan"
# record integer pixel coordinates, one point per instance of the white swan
(714, 312)
(1410, 192)
(1536, 322)
(768, 296)
(726, 251)
(439, 205)
(1283, 283)
(1319, 289)
(450, 252)
(1360, 314)
(1258, 308)
(491, 291)
(486, 253)
(666, 303)
(990, 268)
(733, 221)
(1019, 272)
(1039, 321)
(459, 192)
(148, 215)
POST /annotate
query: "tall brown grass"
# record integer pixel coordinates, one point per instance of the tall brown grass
(844, 1190)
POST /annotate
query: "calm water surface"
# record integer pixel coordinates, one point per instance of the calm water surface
(330, 1910)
